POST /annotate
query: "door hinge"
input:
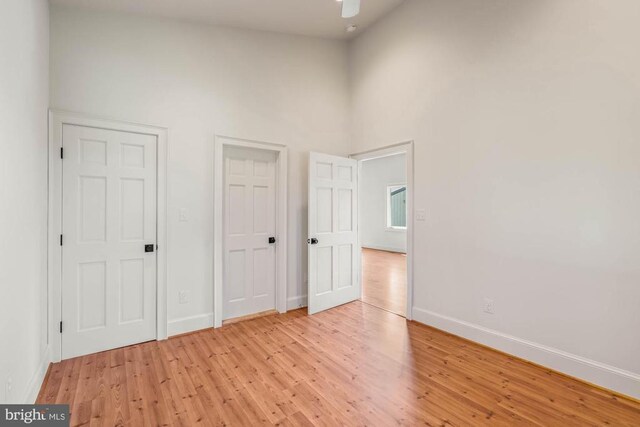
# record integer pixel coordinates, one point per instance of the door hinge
(61, 240)
(61, 153)
(61, 326)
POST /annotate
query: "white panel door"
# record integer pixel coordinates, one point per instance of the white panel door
(249, 222)
(333, 231)
(109, 215)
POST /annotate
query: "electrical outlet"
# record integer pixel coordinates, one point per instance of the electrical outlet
(183, 297)
(182, 215)
(8, 387)
(421, 215)
(488, 306)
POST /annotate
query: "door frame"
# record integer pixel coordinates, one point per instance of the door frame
(405, 148)
(281, 152)
(57, 119)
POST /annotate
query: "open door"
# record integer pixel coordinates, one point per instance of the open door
(333, 231)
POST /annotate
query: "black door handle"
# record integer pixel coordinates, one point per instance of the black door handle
(148, 248)
(272, 239)
(312, 241)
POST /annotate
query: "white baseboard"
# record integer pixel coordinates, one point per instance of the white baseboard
(190, 324)
(33, 388)
(607, 376)
(203, 321)
(385, 248)
(296, 302)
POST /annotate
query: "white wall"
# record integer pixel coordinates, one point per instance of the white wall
(526, 121)
(525, 117)
(375, 176)
(24, 99)
(199, 81)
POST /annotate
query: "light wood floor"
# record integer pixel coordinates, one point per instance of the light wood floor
(384, 280)
(352, 365)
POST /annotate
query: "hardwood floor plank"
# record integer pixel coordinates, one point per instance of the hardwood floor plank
(298, 419)
(352, 365)
(384, 280)
(118, 401)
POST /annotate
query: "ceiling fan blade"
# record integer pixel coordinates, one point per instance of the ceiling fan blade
(350, 8)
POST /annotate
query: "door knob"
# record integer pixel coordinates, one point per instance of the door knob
(148, 248)
(312, 241)
(272, 239)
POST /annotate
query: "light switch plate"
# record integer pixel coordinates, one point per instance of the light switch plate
(421, 215)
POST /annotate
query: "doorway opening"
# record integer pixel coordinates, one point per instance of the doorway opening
(384, 235)
(250, 214)
(383, 232)
(107, 235)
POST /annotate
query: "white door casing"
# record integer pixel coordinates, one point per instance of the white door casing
(333, 232)
(220, 144)
(108, 216)
(405, 148)
(249, 222)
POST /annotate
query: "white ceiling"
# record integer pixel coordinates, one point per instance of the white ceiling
(319, 18)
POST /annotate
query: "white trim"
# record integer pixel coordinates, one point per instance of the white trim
(405, 148)
(594, 372)
(294, 303)
(383, 248)
(190, 324)
(54, 261)
(281, 221)
(395, 229)
(35, 384)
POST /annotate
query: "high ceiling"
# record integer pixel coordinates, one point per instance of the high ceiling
(306, 17)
